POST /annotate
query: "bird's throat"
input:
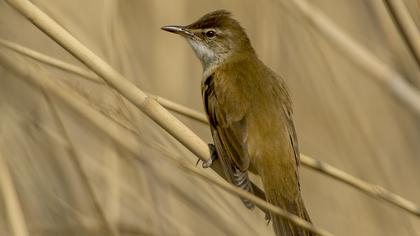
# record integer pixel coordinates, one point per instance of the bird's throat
(210, 60)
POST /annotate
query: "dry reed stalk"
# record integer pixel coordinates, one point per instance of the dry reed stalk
(375, 191)
(52, 61)
(62, 92)
(387, 77)
(406, 26)
(13, 209)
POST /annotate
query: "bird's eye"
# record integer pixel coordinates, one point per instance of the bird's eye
(210, 34)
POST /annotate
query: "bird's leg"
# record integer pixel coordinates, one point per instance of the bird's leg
(213, 156)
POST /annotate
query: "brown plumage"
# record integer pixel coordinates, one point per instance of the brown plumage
(250, 114)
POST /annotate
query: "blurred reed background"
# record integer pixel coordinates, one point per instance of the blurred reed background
(62, 175)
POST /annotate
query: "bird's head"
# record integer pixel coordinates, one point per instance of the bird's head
(214, 37)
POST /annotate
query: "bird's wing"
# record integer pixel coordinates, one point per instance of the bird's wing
(292, 132)
(228, 127)
(227, 123)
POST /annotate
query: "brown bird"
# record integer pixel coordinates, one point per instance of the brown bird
(250, 114)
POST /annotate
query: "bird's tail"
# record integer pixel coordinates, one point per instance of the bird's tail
(283, 227)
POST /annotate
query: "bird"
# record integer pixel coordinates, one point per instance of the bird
(249, 110)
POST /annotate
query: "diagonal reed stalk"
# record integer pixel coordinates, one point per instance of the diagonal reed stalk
(75, 102)
(406, 26)
(375, 191)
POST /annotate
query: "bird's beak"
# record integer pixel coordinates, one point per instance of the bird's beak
(181, 30)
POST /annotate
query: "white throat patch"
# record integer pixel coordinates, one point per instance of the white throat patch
(209, 58)
(205, 54)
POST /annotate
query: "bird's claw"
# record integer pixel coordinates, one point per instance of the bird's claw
(208, 163)
(213, 156)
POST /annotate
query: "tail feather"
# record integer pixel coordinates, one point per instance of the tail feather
(284, 227)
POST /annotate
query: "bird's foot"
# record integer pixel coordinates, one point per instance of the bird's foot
(267, 217)
(213, 156)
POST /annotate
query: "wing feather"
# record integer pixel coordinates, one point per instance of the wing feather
(229, 132)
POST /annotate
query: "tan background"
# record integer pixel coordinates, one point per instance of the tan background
(342, 116)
